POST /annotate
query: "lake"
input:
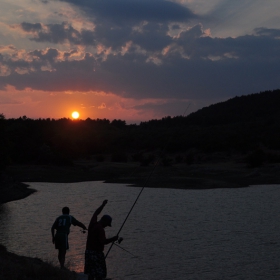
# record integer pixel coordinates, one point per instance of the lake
(170, 234)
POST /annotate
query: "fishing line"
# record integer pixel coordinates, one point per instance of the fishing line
(132, 207)
(147, 180)
(125, 250)
(119, 241)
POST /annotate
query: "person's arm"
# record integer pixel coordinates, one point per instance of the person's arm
(52, 230)
(96, 213)
(112, 239)
(103, 240)
(99, 209)
(81, 225)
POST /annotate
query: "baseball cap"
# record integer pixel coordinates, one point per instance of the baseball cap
(108, 219)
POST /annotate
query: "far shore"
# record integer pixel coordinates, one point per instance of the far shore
(215, 174)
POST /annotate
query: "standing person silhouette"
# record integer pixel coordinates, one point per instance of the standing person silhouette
(60, 238)
(95, 264)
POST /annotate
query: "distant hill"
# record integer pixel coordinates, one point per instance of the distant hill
(248, 108)
(240, 124)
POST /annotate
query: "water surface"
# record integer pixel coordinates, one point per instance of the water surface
(172, 234)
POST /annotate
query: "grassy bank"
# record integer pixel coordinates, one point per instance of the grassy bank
(19, 267)
(226, 173)
(209, 173)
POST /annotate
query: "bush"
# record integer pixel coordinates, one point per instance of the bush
(137, 157)
(273, 157)
(166, 161)
(99, 158)
(255, 158)
(189, 158)
(146, 160)
(119, 157)
(179, 158)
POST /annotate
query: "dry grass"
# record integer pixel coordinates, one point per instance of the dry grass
(16, 267)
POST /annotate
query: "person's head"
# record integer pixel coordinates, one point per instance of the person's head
(106, 220)
(65, 210)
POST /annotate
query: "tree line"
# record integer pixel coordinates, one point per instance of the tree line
(246, 124)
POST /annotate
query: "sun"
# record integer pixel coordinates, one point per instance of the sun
(75, 115)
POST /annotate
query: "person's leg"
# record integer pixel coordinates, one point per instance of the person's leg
(101, 269)
(88, 267)
(61, 257)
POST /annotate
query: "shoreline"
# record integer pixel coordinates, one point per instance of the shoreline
(211, 175)
(21, 267)
(12, 191)
(225, 174)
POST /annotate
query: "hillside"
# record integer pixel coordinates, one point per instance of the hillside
(243, 130)
(263, 106)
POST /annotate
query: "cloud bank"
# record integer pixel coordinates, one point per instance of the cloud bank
(134, 49)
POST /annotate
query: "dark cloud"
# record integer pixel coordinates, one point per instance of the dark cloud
(153, 36)
(173, 107)
(54, 33)
(111, 35)
(49, 56)
(274, 33)
(193, 65)
(135, 10)
(144, 22)
(31, 27)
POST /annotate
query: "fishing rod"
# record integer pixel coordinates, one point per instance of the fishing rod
(132, 207)
(147, 180)
(119, 242)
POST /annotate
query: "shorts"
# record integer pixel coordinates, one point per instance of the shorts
(95, 264)
(61, 241)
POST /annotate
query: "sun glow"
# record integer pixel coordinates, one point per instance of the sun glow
(75, 115)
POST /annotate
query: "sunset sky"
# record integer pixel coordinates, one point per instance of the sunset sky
(134, 60)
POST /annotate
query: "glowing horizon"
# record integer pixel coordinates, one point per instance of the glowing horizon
(139, 64)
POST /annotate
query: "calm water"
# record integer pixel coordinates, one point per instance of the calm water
(173, 234)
